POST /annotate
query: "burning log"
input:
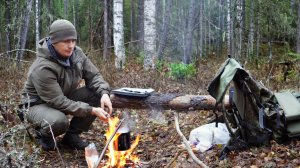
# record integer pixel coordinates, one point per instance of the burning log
(179, 102)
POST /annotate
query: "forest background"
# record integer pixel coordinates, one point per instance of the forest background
(169, 45)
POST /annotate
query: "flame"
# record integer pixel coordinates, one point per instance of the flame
(118, 158)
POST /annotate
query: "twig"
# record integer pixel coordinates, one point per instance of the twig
(55, 143)
(154, 161)
(114, 46)
(187, 145)
(107, 143)
(14, 59)
(17, 50)
(174, 158)
(269, 75)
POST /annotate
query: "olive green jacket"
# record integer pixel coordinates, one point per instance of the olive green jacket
(51, 82)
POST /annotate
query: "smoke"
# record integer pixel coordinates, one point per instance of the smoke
(130, 119)
(156, 116)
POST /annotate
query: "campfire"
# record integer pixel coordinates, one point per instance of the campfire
(119, 149)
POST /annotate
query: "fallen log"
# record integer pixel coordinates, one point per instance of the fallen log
(169, 101)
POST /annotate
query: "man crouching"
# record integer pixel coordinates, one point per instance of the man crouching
(51, 90)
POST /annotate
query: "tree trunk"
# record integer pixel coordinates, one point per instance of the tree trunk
(66, 6)
(164, 35)
(105, 31)
(141, 25)
(221, 28)
(8, 26)
(298, 29)
(209, 7)
(251, 31)
(150, 34)
(204, 8)
(90, 23)
(269, 38)
(76, 3)
(74, 13)
(189, 37)
(119, 34)
(110, 25)
(17, 24)
(292, 4)
(178, 102)
(37, 28)
(50, 11)
(23, 31)
(132, 25)
(243, 25)
(257, 31)
(1, 37)
(201, 48)
(229, 29)
(238, 29)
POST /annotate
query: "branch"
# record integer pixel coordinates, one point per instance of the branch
(1, 54)
(187, 145)
(114, 46)
(107, 143)
(55, 143)
(174, 158)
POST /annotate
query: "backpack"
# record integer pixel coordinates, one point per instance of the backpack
(257, 115)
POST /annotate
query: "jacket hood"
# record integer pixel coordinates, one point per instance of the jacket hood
(43, 50)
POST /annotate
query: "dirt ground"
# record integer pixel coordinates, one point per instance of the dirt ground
(159, 144)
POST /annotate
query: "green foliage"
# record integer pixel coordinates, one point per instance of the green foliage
(140, 57)
(292, 74)
(159, 65)
(295, 56)
(182, 71)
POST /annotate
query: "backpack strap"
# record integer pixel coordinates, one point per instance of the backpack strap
(277, 116)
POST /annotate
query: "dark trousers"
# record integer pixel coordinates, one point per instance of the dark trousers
(42, 116)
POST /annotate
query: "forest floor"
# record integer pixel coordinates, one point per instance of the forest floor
(159, 143)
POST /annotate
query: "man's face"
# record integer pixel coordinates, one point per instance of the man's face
(65, 48)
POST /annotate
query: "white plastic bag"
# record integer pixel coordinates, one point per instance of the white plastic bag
(205, 136)
(91, 155)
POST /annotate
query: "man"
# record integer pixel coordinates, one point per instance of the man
(52, 89)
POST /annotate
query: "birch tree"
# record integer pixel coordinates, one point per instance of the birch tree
(229, 29)
(23, 31)
(37, 34)
(149, 34)
(119, 34)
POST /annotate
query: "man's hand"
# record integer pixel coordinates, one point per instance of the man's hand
(106, 103)
(100, 113)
